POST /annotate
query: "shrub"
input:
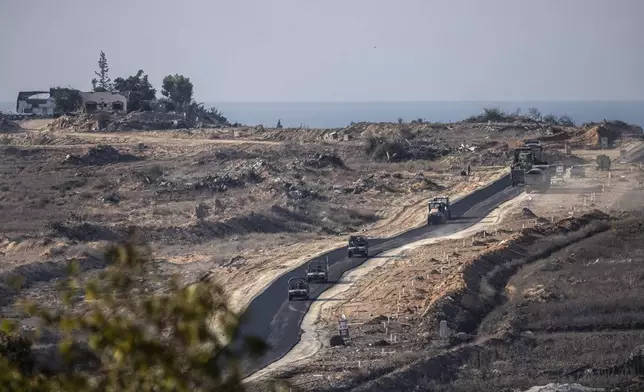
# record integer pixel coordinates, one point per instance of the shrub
(550, 119)
(567, 121)
(390, 150)
(139, 341)
(493, 114)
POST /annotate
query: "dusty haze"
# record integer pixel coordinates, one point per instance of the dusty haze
(361, 50)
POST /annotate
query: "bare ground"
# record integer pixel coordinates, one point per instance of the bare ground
(240, 205)
(244, 211)
(389, 298)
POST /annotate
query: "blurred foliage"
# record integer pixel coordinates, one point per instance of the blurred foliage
(117, 335)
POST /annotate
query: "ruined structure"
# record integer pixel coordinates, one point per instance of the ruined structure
(103, 101)
(38, 103)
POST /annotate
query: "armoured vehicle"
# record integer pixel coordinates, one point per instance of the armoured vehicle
(437, 213)
(603, 162)
(445, 201)
(529, 166)
(298, 289)
(318, 271)
(357, 246)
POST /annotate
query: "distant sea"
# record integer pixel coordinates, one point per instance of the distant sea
(340, 114)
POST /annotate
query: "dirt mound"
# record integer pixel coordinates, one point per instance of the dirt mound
(101, 155)
(527, 213)
(612, 130)
(7, 125)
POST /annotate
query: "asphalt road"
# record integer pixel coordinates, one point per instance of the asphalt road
(273, 318)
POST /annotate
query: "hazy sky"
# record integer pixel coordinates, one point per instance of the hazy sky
(334, 50)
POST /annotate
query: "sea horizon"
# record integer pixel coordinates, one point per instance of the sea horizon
(338, 114)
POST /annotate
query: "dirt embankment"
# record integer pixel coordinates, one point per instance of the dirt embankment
(474, 291)
(469, 290)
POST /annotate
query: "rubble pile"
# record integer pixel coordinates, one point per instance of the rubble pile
(217, 183)
(323, 160)
(398, 150)
(138, 121)
(100, 155)
(7, 125)
(80, 122)
(296, 191)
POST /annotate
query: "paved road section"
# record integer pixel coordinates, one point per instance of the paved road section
(273, 318)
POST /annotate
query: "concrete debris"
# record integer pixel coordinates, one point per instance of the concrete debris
(467, 147)
(111, 122)
(552, 387)
(323, 160)
(217, 183)
(138, 121)
(81, 122)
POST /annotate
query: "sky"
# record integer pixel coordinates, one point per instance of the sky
(334, 50)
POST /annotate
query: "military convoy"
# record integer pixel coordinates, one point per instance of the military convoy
(529, 167)
(318, 271)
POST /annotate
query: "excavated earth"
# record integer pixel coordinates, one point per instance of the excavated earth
(524, 303)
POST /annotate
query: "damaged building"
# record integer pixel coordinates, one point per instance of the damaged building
(103, 101)
(37, 103)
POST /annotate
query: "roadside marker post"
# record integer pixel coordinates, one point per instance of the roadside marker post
(343, 328)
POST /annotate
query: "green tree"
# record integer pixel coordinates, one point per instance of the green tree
(104, 83)
(138, 90)
(178, 89)
(66, 99)
(493, 114)
(171, 341)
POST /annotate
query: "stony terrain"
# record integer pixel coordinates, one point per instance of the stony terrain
(242, 205)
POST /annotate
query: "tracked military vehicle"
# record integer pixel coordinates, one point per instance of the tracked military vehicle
(529, 167)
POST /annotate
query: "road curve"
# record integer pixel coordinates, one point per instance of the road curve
(273, 318)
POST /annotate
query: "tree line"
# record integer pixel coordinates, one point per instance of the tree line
(177, 93)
